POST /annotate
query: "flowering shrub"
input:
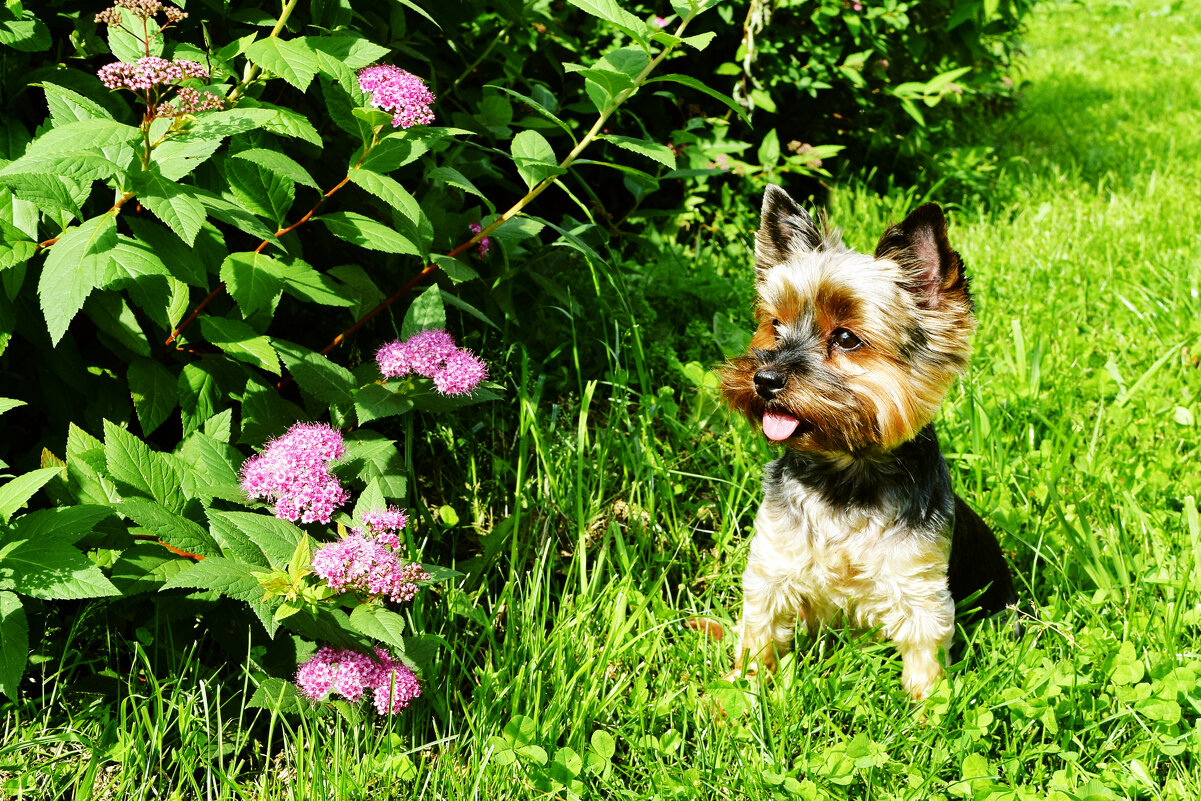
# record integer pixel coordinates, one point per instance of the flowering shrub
(203, 237)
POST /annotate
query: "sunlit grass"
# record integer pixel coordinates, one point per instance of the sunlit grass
(611, 519)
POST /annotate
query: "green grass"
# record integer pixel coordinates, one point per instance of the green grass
(608, 520)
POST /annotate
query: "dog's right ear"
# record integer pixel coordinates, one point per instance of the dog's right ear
(785, 230)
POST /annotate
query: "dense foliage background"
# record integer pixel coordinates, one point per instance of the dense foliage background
(175, 292)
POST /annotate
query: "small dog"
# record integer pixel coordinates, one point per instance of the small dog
(851, 359)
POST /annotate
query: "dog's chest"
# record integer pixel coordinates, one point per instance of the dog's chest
(851, 559)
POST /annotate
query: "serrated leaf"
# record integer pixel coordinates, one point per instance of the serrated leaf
(144, 568)
(535, 158)
(376, 401)
(136, 468)
(49, 569)
(252, 280)
(177, 157)
(73, 269)
(279, 164)
(216, 464)
(14, 643)
(376, 457)
(240, 341)
(126, 45)
(393, 152)
(152, 239)
(114, 318)
(388, 190)
(48, 192)
(235, 215)
(14, 493)
(259, 190)
(284, 121)
(425, 313)
(302, 281)
(380, 624)
(355, 52)
(279, 696)
(67, 105)
(367, 233)
(610, 11)
(291, 59)
(7, 404)
(277, 539)
(453, 177)
(83, 134)
(64, 523)
(171, 202)
(317, 375)
(218, 574)
(169, 527)
(26, 33)
(198, 395)
(537, 107)
(652, 150)
(693, 83)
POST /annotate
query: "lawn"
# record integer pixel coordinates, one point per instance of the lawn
(581, 655)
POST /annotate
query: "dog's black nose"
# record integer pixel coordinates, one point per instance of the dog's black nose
(768, 384)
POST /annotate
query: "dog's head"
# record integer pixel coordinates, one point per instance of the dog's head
(853, 353)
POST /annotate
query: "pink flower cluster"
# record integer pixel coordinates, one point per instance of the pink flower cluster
(148, 72)
(293, 472)
(400, 92)
(360, 561)
(189, 101)
(351, 674)
(484, 245)
(433, 354)
(142, 9)
(384, 526)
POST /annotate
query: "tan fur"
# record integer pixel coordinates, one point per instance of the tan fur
(821, 564)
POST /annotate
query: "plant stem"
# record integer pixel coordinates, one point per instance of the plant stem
(534, 192)
(251, 72)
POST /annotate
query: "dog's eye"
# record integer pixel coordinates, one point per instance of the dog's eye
(845, 340)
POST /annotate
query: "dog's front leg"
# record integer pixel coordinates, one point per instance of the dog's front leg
(769, 614)
(919, 631)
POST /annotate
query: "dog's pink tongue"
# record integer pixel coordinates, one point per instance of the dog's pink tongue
(779, 426)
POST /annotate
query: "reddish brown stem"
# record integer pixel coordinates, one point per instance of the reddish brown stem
(221, 287)
(177, 551)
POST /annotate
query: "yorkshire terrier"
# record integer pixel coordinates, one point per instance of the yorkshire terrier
(851, 358)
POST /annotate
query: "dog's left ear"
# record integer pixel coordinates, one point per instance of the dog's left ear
(785, 230)
(920, 246)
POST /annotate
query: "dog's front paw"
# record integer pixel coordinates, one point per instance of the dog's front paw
(922, 670)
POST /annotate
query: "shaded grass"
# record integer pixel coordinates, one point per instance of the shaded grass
(610, 521)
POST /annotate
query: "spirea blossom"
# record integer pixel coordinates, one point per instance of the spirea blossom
(142, 9)
(148, 72)
(293, 472)
(460, 373)
(189, 101)
(400, 92)
(384, 526)
(351, 674)
(360, 562)
(484, 245)
(433, 354)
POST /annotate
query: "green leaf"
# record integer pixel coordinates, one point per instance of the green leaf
(390, 191)
(259, 190)
(26, 33)
(234, 542)
(652, 150)
(48, 192)
(367, 233)
(279, 164)
(14, 643)
(198, 395)
(535, 158)
(240, 341)
(610, 11)
(16, 492)
(235, 215)
(693, 83)
(425, 313)
(252, 280)
(354, 51)
(375, 401)
(216, 464)
(302, 281)
(169, 527)
(86, 134)
(7, 404)
(177, 157)
(277, 539)
(380, 624)
(137, 469)
(153, 389)
(158, 249)
(145, 568)
(221, 575)
(317, 375)
(67, 105)
(453, 177)
(114, 318)
(536, 106)
(73, 269)
(126, 45)
(171, 202)
(279, 696)
(284, 121)
(49, 569)
(376, 457)
(65, 523)
(291, 59)
(393, 152)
